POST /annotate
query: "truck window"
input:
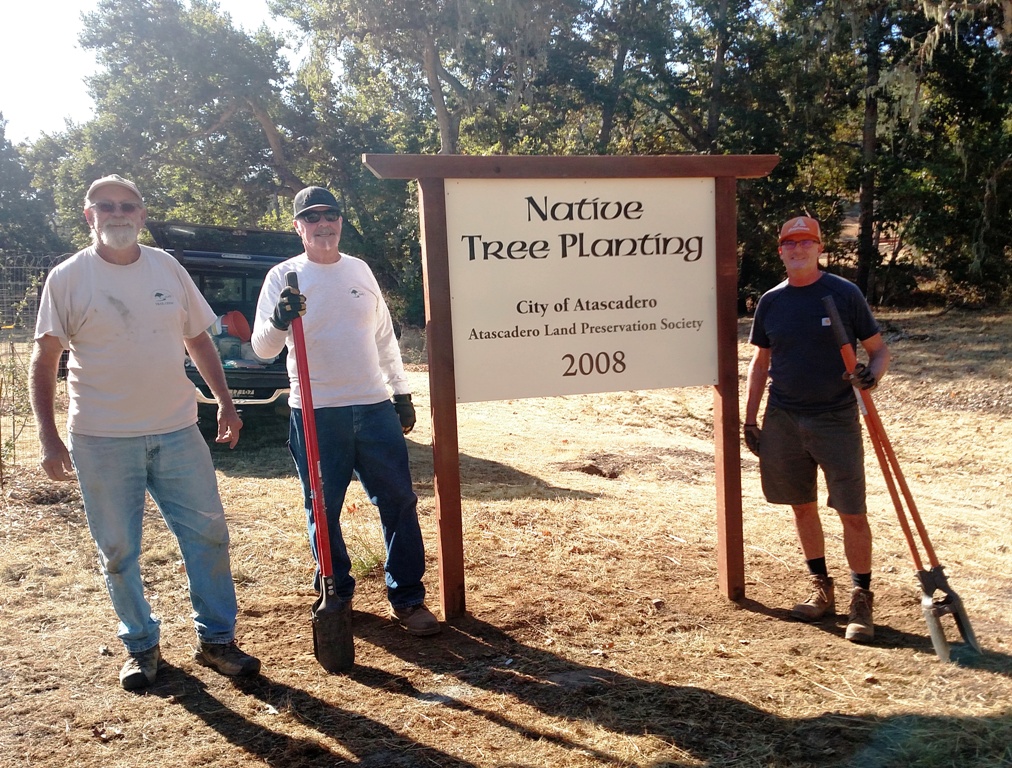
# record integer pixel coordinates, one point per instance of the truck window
(222, 290)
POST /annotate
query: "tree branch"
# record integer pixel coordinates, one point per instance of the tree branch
(276, 143)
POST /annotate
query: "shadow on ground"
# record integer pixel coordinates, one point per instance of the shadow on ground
(262, 452)
(472, 658)
(710, 727)
(373, 744)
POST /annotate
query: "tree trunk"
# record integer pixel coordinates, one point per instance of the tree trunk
(720, 24)
(867, 253)
(447, 132)
(611, 100)
(279, 162)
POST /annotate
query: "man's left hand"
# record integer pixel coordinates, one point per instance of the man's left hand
(405, 412)
(229, 424)
(862, 377)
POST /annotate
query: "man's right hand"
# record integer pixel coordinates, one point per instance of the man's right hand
(56, 460)
(291, 304)
(752, 433)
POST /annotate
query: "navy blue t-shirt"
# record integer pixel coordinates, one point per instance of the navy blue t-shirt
(806, 368)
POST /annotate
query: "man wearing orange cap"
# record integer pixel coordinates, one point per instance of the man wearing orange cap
(811, 419)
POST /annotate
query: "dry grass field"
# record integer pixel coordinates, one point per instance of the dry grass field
(595, 633)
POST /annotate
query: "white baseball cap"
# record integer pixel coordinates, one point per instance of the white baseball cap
(112, 180)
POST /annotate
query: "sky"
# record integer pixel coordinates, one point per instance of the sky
(42, 67)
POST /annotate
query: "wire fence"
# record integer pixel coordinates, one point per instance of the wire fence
(21, 280)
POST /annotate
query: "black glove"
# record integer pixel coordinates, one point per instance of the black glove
(405, 412)
(862, 377)
(291, 304)
(752, 434)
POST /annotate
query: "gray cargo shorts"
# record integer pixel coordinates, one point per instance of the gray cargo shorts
(793, 447)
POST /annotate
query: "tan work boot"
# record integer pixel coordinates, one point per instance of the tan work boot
(821, 601)
(860, 627)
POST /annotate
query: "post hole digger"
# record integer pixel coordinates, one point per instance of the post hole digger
(333, 643)
(934, 580)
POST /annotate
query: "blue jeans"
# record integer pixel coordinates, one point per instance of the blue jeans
(176, 469)
(367, 440)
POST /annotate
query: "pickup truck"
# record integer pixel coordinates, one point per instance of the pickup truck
(229, 265)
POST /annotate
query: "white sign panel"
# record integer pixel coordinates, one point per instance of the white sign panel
(574, 286)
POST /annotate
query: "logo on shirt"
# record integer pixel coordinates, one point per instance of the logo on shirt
(356, 293)
(162, 297)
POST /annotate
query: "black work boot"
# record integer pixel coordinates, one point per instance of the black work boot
(140, 669)
(226, 659)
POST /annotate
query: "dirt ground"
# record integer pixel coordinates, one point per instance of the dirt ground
(595, 634)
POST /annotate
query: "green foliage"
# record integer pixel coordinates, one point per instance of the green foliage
(26, 212)
(15, 407)
(216, 127)
(191, 107)
(959, 194)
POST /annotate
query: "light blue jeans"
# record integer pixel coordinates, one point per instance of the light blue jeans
(176, 469)
(366, 440)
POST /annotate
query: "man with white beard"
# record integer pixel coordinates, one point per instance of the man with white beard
(127, 313)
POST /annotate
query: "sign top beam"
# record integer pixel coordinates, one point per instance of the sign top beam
(567, 166)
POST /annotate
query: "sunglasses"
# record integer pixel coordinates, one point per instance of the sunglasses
(107, 207)
(790, 245)
(314, 216)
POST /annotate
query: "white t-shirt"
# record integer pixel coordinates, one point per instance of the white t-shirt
(353, 355)
(124, 326)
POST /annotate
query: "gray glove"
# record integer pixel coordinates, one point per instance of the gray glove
(291, 304)
(405, 412)
(752, 433)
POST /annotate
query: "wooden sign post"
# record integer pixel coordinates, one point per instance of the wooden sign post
(683, 229)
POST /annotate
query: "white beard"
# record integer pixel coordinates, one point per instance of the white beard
(118, 237)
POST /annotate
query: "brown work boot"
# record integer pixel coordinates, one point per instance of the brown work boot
(821, 601)
(860, 627)
(416, 619)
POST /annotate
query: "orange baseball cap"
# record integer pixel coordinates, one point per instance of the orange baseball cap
(801, 228)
